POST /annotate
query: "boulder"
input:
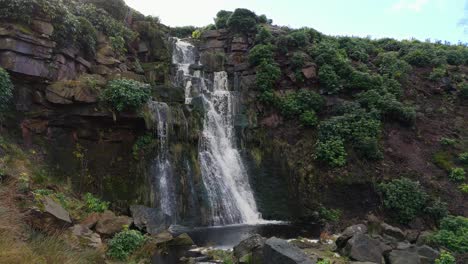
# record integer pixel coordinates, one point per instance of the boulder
(362, 247)
(310, 72)
(392, 231)
(85, 236)
(91, 220)
(51, 218)
(42, 27)
(350, 232)
(162, 237)
(151, 220)
(182, 240)
(413, 255)
(252, 244)
(279, 251)
(109, 223)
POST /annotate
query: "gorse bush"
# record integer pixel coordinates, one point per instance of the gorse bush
(404, 198)
(453, 234)
(6, 92)
(123, 244)
(267, 75)
(332, 151)
(242, 21)
(445, 258)
(94, 204)
(457, 174)
(123, 94)
(329, 79)
(391, 65)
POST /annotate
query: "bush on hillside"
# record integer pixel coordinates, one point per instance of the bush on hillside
(295, 104)
(298, 38)
(404, 198)
(453, 234)
(263, 36)
(123, 94)
(182, 32)
(463, 90)
(6, 92)
(329, 79)
(332, 151)
(94, 204)
(390, 64)
(309, 118)
(268, 73)
(457, 174)
(116, 8)
(261, 53)
(124, 243)
(242, 21)
(222, 17)
(445, 258)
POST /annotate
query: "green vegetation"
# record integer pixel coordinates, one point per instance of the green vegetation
(463, 157)
(123, 94)
(445, 258)
(222, 17)
(405, 198)
(453, 234)
(332, 151)
(6, 92)
(94, 204)
(438, 73)
(457, 174)
(329, 79)
(124, 243)
(463, 90)
(242, 21)
(329, 215)
(143, 145)
(464, 188)
(448, 141)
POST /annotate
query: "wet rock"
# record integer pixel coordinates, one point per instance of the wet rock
(279, 251)
(362, 247)
(109, 223)
(162, 237)
(182, 240)
(423, 238)
(85, 236)
(149, 219)
(25, 65)
(350, 232)
(252, 245)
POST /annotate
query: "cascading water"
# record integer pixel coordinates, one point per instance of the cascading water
(224, 175)
(161, 168)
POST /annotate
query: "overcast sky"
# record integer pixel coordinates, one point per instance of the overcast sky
(422, 19)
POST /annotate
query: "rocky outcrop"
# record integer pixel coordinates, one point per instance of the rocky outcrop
(109, 224)
(252, 246)
(84, 236)
(362, 247)
(50, 218)
(149, 219)
(279, 251)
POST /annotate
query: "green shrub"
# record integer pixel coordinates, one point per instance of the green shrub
(329, 79)
(267, 75)
(298, 60)
(16, 10)
(390, 64)
(420, 57)
(297, 103)
(327, 52)
(298, 38)
(438, 73)
(124, 243)
(463, 157)
(182, 32)
(263, 36)
(329, 215)
(364, 81)
(448, 141)
(283, 42)
(242, 21)
(94, 204)
(222, 18)
(456, 57)
(116, 8)
(357, 49)
(445, 258)
(6, 92)
(324, 261)
(457, 174)
(453, 234)
(437, 210)
(404, 198)
(261, 53)
(86, 37)
(123, 94)
(309, 118)
(463, 188)
(142, 145)
(196, 34)
(332, 151)
(463, 90)
(118, 45)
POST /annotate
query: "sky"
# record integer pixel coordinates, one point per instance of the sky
(400, 19)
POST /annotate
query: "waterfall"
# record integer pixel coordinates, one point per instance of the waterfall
(224, 175)
(161, 168)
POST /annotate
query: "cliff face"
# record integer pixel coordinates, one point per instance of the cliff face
(58, 107)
